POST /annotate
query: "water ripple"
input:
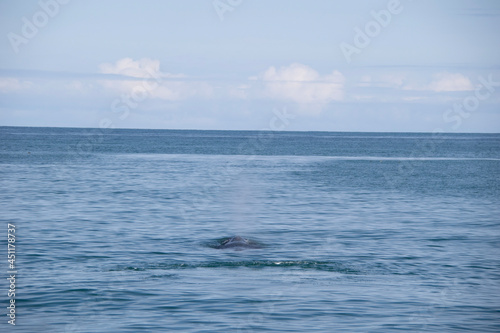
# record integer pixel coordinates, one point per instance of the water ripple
(329, 266)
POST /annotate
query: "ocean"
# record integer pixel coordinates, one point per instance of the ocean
(119, 231)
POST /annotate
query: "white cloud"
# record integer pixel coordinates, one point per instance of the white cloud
(450, 82)
(302, 84)
(8, 85)
(444, 82)
(142, 68)
(155, 83)
(394, 80)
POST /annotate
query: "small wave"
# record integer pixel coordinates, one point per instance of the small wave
(328, 266)
(301, 158)
(399, 158)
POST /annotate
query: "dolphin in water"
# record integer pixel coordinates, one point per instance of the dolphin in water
(238, 243)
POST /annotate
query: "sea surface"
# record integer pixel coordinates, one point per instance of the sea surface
(117, 231)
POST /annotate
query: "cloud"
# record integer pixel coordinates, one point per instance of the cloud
(384, 80)
(444, 82)
(302, 84)
(394, 80)
(143, 79)
(9, 85)
(365, 81)
(154, 83)
(142, 68)
(450, 82)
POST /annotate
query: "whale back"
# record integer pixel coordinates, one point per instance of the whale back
(238, 243)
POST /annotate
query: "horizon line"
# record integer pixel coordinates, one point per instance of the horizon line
(242, 130)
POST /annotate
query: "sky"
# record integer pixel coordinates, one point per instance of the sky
(320, 65)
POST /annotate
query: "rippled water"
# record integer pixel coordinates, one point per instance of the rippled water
(359, 231)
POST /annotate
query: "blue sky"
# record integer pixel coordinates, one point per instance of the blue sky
(232, 64)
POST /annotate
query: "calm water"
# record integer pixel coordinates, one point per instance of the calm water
(360, 232)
